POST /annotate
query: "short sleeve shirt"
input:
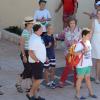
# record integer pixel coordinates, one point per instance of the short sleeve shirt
(50, 51)
(39, 14)
(36, 44)
(87, 58)
(26, 35)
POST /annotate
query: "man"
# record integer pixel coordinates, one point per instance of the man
(37, 56)
(69, 9)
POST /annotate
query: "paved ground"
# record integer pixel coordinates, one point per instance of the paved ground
(11, 65)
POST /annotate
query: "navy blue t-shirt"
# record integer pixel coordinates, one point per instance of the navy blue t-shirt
(50, 51)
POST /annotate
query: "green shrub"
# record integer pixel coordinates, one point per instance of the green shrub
(14, 29)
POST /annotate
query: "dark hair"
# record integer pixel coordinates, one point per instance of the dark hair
(42, 1)
(25, 25)
(36, 27)
(71, 19)
(85, 32)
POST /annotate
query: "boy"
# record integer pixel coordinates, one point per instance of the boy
(50, 63)
(42, 15)
(84, 66)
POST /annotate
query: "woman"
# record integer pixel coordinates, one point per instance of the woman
(95, 45)
(23, 43)
(71, 35)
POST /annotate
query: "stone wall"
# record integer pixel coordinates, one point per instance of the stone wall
(9, 36)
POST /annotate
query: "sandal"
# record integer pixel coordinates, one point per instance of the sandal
(19, 89)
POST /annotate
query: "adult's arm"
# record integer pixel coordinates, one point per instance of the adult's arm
(59, 6)
(32, 55)
(76, 6)
(21, 46)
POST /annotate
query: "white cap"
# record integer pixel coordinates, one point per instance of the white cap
(98, 3)
(86, 29)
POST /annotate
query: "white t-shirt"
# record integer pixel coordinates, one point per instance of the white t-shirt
(39, 14)
(36, 44)
(87, 59)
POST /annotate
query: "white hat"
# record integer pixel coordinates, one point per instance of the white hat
(86, 29)
(98, 3)
(29, 19)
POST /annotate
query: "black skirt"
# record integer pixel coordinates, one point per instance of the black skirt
(27, 73)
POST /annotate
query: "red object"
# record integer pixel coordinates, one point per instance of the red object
(69, 6)
(66, 72)
(69, 68)
(75, 59)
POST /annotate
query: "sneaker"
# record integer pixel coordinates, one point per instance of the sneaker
(80, 98)
(51, 86)
(40, 98)
(53, 83)
(19, 89)
(97, 81)
(93, 96)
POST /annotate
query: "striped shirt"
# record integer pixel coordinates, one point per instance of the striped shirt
(26, 35)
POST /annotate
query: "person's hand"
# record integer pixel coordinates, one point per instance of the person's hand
(24, 59)
(50, 44)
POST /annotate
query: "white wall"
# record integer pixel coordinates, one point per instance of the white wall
(12, 12)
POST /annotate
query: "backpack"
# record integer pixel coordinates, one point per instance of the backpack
(72, 59)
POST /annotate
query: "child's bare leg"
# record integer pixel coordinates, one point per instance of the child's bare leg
(46, 75)
(88, 83)
(52, 73)
(78, 85)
